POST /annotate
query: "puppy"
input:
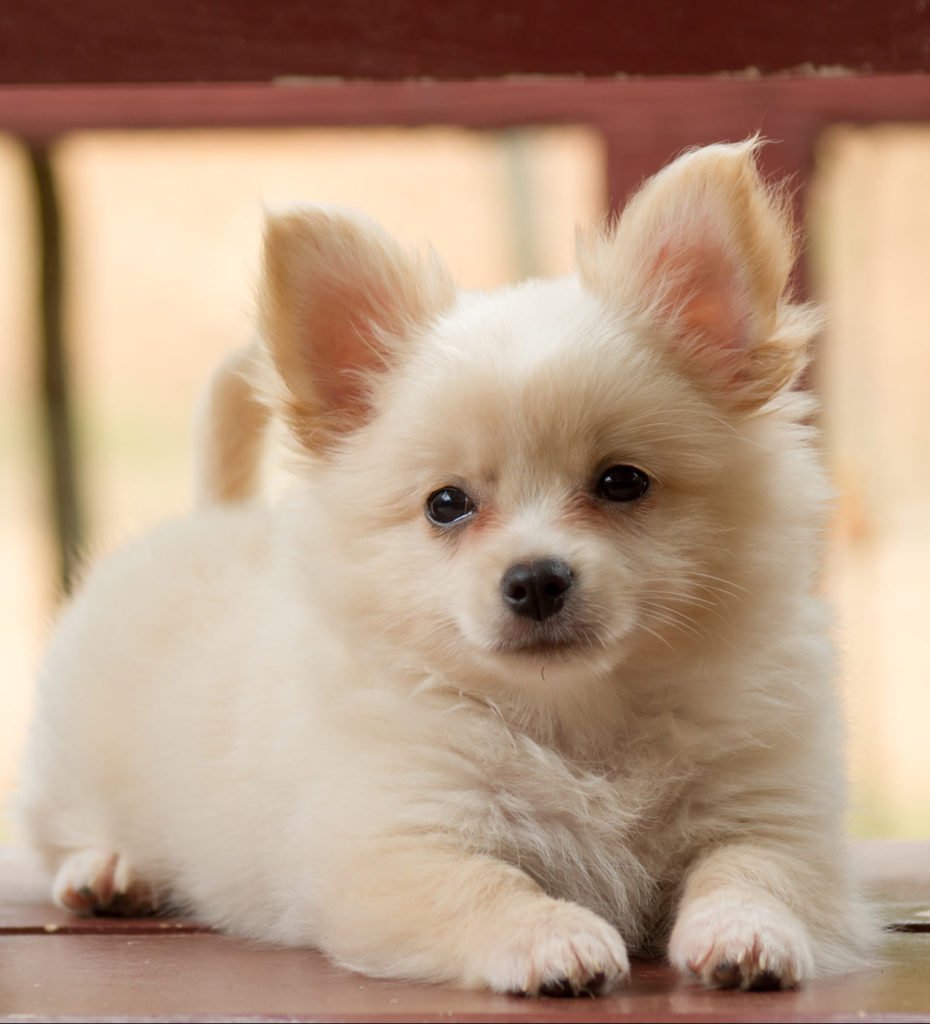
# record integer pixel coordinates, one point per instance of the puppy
(528, 674)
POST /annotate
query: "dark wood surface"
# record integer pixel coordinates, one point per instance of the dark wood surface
(55, 967)
(47, 41)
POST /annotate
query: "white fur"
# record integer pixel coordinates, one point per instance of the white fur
(299, 722)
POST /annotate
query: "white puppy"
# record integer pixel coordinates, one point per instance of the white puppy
(529, 674)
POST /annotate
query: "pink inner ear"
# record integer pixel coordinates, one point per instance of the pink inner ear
(712, 309)
(346, 345)
(704, 299)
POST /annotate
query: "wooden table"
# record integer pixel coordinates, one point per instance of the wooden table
(56, 967)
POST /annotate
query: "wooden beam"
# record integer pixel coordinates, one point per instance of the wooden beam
(683, 111)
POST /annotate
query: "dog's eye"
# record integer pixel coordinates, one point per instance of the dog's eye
(448, 505)
(622, 483)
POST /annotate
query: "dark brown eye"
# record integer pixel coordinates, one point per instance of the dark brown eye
(622, 483)
(448, 505)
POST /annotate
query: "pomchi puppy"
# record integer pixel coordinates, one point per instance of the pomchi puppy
(529, 674)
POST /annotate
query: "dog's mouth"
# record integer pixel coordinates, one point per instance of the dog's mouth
(543, 643)
(542, 649)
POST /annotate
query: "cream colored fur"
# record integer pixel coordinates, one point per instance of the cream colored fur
(308, 723)
(230, 436)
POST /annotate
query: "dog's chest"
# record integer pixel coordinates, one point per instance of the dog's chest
(598, 833)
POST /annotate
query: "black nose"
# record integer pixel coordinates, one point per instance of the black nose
(536, 590)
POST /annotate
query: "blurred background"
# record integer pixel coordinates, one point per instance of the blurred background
(161, 238)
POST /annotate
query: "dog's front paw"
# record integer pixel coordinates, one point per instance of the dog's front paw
(733, 941)
(554, 949)
(101, 882)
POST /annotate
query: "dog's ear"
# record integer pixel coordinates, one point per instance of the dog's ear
(340, 301)
(701, 256)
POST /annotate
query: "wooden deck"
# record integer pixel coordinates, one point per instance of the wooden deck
(56, 967)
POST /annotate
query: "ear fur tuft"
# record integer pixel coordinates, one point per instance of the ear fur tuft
(702, 256)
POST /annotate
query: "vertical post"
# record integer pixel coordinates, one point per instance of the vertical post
(522, 201)
(54, 378)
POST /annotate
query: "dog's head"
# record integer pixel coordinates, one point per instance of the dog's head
(564, 474)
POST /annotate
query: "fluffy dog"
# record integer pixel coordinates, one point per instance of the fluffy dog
(529, 673)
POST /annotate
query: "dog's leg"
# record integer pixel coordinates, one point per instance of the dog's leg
(436, 914)
(101, 882)
(735, 928)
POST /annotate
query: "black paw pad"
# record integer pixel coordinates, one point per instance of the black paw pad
(558, 988)
(595, 985)
(726, 974)
(766, 981)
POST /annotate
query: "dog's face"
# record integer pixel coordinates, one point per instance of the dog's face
(542, 486)
(551, 476)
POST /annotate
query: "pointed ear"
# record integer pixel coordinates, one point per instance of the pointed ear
(340, 302)
(701, 256)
